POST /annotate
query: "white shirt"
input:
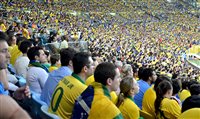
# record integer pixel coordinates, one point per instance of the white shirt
(21, 66)
(36, 78)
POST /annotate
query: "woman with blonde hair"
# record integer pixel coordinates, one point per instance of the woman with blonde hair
(125, 103)
(127, 71)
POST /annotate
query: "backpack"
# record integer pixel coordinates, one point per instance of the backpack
(83, 104)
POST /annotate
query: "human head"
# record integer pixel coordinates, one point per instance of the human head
(108, 74)
(37, 53)
(12, 40)
(191, 102)
(66, 56)
(24, 46)
(4, 53)
(135, 71)
(118, 64)
(195, 89)
(164, 89)
(149, 75)
(55, 59)
(83, 63)
(128, 88)
(160, 79)
(176, 86)
(127, 70)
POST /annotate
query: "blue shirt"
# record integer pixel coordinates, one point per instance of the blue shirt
(52, 81)
(139, 97)
(2, 91)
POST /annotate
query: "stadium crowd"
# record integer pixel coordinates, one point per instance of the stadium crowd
(135, 64)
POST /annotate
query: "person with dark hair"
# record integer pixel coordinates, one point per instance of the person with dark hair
(66, 69)
(37, 73)
(125, 102)
(55, 62)
(14, 50)
(150, 96)
(70, 87)
(12, 41)
(148, 77)
(176, 84)
(195, 89)
(135, 72)
(191, 102)
(191, 108)
(22, 62)
(97, 95)
(185, 92)
(164, 106)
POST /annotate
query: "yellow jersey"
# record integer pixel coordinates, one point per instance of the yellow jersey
(129, 109)
(148, 101)
(170, 108)
(102, 107)
(15, 53)
(193, 113)
(113, 94)
(65, 94)
(89, 80)
(184, 94)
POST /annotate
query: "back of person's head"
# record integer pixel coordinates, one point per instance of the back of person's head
(80, 60)
(163, 88)
(148, 72)
(10, 39)
(33, 51)
(191, 102)
(66, 55)
(54, 58)
(20, 39)
(160, 79)
(125, 86)
(118, 64)
(184, 84)
(140, 72)
(104, 71)
(24, 46)
(176, 86)
(191, 82)
(126, 70)
(195, 89)
(3, 36)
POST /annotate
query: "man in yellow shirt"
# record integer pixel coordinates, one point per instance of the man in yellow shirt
(70, 87)
(95, 102)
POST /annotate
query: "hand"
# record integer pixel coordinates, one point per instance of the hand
(22, 93)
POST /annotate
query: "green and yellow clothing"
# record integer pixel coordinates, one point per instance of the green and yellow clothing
(129, 109)
(114, 97)
(65, 94)
(113, 94)
(51, 68)
(102, 106)
(89, 80)
(148, 101)
(184, 94)
(170, 108)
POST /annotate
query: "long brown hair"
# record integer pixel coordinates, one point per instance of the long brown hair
(125, 86)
